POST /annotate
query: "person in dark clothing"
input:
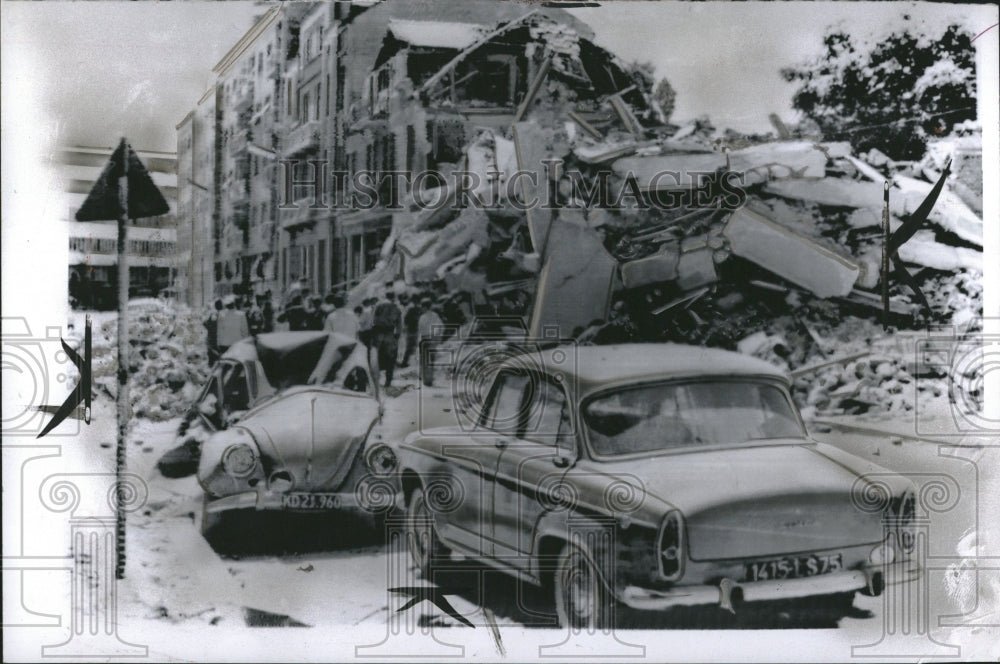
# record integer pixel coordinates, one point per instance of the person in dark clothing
(212, 326)
(410, 319)
(387, 325)
(267, 308)
(296, 315)
(317, 315)
(255, 317)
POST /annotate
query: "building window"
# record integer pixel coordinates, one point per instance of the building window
(341, 77)
(411, 147)
(321, 267)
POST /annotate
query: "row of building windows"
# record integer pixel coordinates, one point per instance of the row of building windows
(88, 245)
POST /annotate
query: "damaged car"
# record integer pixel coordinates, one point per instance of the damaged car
(288, 419)
(653, 477)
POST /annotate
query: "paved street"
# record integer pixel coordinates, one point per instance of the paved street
(331, 571)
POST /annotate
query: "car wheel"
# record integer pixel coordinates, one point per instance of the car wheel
(581, 598)
(421, 537)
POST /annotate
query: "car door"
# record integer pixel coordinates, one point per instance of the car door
(471, 467)
(530, 470)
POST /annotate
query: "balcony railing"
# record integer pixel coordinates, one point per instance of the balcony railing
(237, 143)
(303, 138)
(302, 215)
(243, 97)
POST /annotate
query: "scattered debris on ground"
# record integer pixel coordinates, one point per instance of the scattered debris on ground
(168, 359)
(645, 239)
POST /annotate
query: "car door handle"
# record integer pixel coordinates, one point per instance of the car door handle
(501, 443)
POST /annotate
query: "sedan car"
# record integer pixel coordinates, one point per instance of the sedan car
(290, 418)
(652, 477)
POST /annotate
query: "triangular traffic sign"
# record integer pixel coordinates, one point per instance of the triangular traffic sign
(144, 198)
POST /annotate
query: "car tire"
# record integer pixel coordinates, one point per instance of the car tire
(426, 548)
(582, 600)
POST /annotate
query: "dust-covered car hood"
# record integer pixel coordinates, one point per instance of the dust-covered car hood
(311, 410)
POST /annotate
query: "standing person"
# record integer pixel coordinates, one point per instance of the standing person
(295, 315)
(387, 325)
(267, 308)
(306, 301)
(317, 313)
(410, 317)
(255, 317)
(233, 325)
(341, 320)
(211, 323)
(365, 319)
(428, 325)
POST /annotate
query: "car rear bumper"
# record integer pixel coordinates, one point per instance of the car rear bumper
(729, 594)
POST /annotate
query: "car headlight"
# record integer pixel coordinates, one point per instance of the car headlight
(381, 460)
(670, 547)
(239, 460)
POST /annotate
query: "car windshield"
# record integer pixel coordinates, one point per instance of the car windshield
(663, 416)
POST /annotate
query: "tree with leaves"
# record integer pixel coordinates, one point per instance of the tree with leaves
(891, 95)
(666, 96)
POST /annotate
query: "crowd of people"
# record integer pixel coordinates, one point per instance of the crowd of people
(396, 326)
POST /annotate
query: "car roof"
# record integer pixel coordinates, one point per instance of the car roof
(594, 367)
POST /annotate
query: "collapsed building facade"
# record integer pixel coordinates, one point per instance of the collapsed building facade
(640, 234)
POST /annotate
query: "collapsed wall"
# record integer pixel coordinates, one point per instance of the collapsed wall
(637, 235)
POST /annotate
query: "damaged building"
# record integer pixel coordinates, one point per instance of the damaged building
(520, 99)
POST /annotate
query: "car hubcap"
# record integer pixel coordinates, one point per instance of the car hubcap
(420, 533)
(579, 594)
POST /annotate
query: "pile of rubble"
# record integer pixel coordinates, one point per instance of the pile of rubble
(646, 238)
(168, 360)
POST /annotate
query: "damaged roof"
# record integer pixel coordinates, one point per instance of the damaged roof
(364, 37)
(437, 34)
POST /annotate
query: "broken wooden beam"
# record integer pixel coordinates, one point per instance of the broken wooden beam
(536, 85)
(586, 126)
(623, 111)
(843, 359)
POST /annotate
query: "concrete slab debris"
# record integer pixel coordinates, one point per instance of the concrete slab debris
(696, 269)
(950, 213)
(661, 266)
(791, 256)
(576, 281)
(923, 249)
(829, 191)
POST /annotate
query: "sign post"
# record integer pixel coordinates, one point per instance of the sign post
(123, 191)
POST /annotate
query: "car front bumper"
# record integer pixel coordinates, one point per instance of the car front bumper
(729, 594)
(269, 500)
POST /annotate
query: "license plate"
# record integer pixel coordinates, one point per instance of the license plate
(794, 567)
(310, 501)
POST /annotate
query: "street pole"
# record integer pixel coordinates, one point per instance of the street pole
(123, 363)
(885, 256)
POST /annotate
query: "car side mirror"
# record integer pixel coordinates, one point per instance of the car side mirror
(560, 460)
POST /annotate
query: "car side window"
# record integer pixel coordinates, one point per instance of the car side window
(235, 394)
(507, 408)
(209, 404)
(548, 414)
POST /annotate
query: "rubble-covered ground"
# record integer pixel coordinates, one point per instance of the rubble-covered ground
(168, 361)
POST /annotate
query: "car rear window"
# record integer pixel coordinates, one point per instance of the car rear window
(649, 418)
